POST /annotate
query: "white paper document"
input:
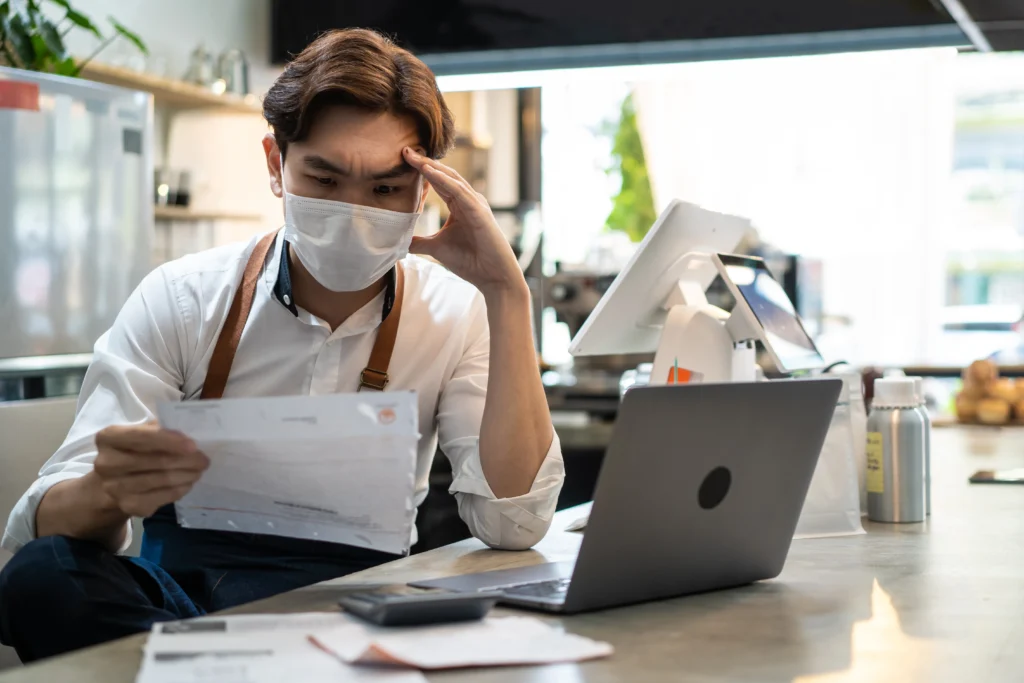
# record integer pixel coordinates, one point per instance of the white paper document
(336, 468)
(495, 641)
(580, 523)
(253, 649)
(334, 646)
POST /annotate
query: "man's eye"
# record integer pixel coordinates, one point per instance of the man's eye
(326, 182)
(385, 190)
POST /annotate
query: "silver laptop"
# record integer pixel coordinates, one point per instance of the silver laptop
(701, 489)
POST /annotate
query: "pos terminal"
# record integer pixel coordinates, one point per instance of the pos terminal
(658, 303)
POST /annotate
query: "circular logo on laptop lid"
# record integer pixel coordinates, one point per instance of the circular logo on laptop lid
(714, 488)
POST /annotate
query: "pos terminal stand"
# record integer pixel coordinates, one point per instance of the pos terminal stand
(657, 304)
(701, 342)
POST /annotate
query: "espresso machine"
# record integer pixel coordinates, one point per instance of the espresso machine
(573, 294)
(591, 384)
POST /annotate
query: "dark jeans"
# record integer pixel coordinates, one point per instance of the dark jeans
(59, 594)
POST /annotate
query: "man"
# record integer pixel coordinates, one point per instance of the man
(358, 125)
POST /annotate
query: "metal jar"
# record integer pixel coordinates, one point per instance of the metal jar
(896, 452)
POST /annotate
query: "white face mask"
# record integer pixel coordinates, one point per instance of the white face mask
(345, 247)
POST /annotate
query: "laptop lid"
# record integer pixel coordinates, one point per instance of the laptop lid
(701, 488)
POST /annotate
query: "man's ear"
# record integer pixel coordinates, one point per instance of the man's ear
(274, 167)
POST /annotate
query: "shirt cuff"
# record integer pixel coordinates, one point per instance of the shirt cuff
(21, 525)
(508, 523)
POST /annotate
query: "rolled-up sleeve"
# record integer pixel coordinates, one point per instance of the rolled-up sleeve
(136, 364)
(21, 523)
(506, 523)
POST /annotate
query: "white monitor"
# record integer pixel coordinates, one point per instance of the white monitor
(762, 301)
(629, 317)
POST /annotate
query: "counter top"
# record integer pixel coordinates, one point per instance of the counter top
(940, 602)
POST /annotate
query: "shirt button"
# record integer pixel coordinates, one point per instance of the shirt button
(287, 300)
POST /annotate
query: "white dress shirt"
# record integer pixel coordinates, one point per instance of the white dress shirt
(159, 348)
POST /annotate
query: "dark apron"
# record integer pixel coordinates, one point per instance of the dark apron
(220, 569)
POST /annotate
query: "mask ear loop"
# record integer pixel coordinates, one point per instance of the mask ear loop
(284, 190)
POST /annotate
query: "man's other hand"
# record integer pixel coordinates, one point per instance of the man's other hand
(471, 244)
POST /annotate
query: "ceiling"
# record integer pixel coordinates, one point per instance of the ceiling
(1001, 22)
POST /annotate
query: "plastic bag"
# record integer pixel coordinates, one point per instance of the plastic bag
(859, 423)
(833, 504)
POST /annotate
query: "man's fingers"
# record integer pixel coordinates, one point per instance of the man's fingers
(446, 186)
(419, 161)
(446, 181)
(144, 439)
(144, 505)
(113, 462)
(453, 175)
(447, 170)
(150, 482)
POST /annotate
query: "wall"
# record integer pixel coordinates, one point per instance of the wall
(173, 29)
(843, 157)
(579, 116)
(490, 118)
(501, 114)
(222, 152)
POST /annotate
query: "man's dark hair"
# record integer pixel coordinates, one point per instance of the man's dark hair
(364, 69)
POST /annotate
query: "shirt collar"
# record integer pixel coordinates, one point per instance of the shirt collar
(282, 288)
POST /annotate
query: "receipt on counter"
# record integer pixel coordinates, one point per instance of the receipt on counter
(494, 641)
(336, 468)
(261, 648)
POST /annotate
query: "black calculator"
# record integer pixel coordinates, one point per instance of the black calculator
(388, 608)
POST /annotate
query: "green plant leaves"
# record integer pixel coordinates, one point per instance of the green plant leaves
(633, 208)
(129, 35)
(20, 38)
(67, 67)
(78, 19)
(82, 21)
(29, 40)
(52, 40)
(5, 53)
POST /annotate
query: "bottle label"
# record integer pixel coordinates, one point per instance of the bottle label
(875, 477)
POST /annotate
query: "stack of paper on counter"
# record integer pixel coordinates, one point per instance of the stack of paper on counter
(333, 646)
(266, 648)
(495, 641)
(338, 468)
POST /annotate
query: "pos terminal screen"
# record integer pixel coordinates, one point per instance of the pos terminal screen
(784, 333)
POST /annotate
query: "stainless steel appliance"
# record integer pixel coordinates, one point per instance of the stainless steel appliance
(76, 222)
(573, 294)
(591, 385)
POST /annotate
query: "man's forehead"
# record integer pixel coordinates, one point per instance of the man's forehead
(356, 162)
(343, 131)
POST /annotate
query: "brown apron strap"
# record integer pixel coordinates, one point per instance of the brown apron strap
(227, 343)
(375, 376)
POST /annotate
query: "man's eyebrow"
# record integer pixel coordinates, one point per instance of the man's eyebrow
(397, 171)
(318, 163)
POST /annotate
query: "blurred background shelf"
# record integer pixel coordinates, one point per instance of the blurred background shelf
(955, 372)
(180, 213)
(170, 93)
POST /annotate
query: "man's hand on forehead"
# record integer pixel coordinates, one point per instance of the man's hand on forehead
(471, 243)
